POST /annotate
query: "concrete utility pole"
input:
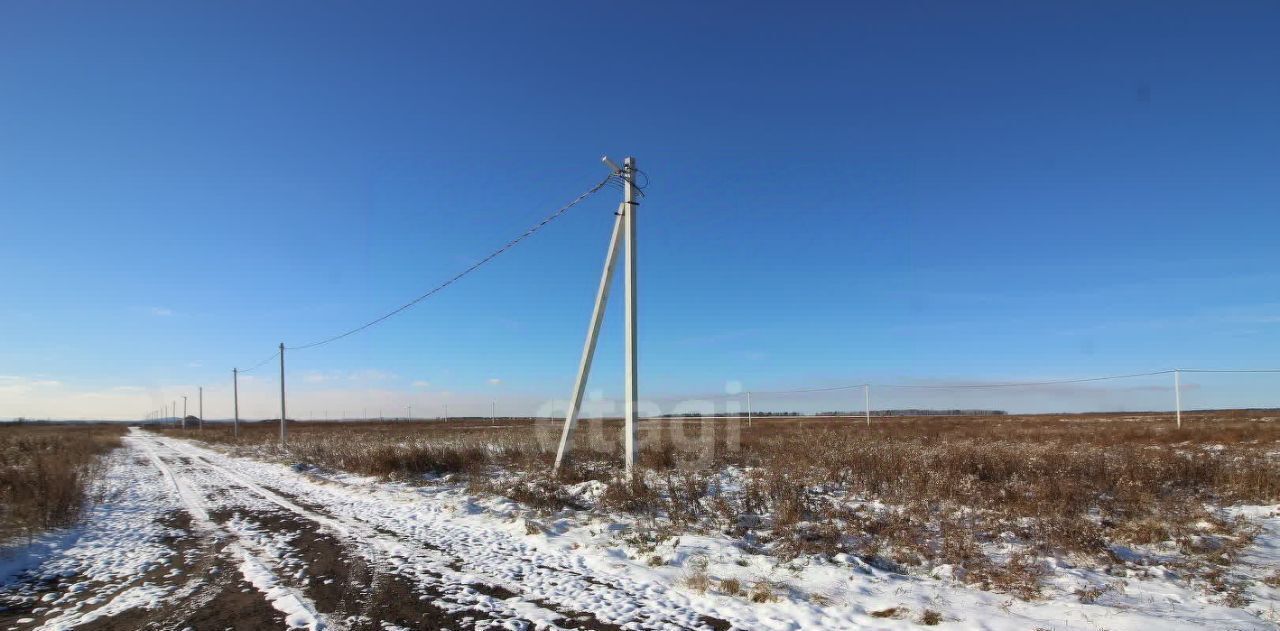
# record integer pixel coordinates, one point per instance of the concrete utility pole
(284, 432)
(493, 413)
(1177, 395)
(175, 412)
(235, 398)
(184, 411)
(632, 356)
(866, 400)
(201, 407)
(624, 231)
(748, 409)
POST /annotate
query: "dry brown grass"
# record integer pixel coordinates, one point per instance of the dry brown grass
(46, 472)
(905, 494)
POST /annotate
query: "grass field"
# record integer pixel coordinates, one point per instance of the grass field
(47, 473)
(987, 500)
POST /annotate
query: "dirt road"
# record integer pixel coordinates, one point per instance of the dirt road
(221, 543)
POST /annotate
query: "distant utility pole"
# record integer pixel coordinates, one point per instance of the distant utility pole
(184, 411)
(1177, 395)
(624, 231)
(284, 432)
(748, 409)
(493, 412)
(201, 407)
(235, 398)
(446, 411)
(866, 401)
(175, 411)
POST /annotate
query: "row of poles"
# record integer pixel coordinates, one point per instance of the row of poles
(284, 426)
(866, 400)
(170, 411)
(235, 388)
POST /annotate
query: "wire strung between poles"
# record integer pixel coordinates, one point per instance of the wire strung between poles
(1253, 370)
(801, 390)
(510, 244)
(1011, 384)
(1016, 384)
(259, 364)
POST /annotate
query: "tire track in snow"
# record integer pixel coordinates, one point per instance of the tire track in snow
(465, 565)
(454, 596)
(256, 568)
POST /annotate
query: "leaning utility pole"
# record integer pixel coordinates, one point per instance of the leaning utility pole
(624, 231)
(283, 431)
(235, 398)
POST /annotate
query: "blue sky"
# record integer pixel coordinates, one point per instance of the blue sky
(840, 192)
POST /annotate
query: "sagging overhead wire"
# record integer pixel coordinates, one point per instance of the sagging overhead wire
(1016, 384)
(510, 244)
(1251, 370)
(977, 386)
(259, 364)
(830, 389)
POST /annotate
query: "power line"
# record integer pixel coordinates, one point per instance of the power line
(510, 244)
(1255, 370)
(1011, 384)
(1016, 384)
(259, 364)
(831, 389)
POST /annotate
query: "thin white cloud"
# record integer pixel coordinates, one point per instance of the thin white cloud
(161, 312)
(372, 375)
(14, 385)
(495, 381)
(421, 384)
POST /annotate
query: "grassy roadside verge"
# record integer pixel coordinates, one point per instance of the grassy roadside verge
(47, 474)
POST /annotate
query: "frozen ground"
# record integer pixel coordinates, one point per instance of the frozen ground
(192, 538)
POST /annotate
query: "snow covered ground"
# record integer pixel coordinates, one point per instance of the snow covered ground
(189, 532)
